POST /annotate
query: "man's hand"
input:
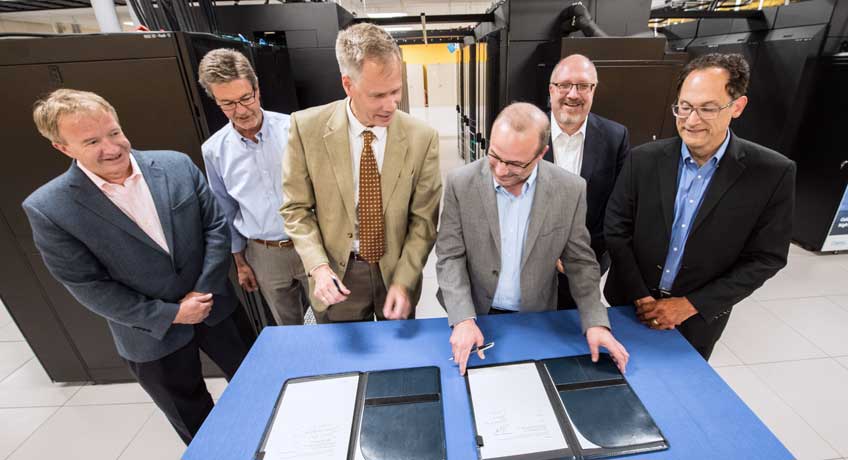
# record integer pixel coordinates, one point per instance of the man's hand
(600, 336)
(246, 277)
(665, 313)
(194, 308)
(465, 335)
(325, 286)
(559, 266)
(397, 304)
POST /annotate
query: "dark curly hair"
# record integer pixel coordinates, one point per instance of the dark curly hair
(734, 64)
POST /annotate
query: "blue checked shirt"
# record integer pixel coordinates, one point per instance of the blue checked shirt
(692, 183)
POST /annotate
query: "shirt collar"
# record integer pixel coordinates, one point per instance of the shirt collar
(556, 130)
(102, 184)
(263, 130)
(356, 128)
(524, 187)
(715, 159)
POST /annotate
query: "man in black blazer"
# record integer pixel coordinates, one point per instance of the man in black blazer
(697, 223)
(587, 145)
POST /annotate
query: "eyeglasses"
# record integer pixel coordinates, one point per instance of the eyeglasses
(581, 87)
(708, 112)
(514, 165)
(245, 101)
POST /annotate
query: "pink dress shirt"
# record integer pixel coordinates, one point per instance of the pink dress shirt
(135, 200)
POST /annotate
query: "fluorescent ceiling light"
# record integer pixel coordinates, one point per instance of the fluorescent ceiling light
(386, 15)
(128, 23)
(397, 29)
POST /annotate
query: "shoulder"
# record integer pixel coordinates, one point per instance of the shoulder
(318, 114)
(653, 148)
(560, 176)
(50, 195)
(466, 173)
(276, 118)
(761, 156)
(612, 128)
(168, 160)
(213, 145)
(414, 126)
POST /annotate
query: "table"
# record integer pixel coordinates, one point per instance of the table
(701, 417)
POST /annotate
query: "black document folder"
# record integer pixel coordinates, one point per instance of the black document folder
(595, 408)
(397, 415)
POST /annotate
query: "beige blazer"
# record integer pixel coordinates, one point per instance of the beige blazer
(318, 196)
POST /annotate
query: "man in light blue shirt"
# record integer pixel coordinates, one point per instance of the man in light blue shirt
(244, 166)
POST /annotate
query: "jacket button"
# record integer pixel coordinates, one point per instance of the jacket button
(342, 264)
(495, 272)
(350, 235)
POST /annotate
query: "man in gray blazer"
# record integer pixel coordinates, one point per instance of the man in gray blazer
(507, 220)
(137, 238)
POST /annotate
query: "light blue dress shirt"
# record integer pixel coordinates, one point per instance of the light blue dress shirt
(514, 217)
(246, 178)
(692, 183)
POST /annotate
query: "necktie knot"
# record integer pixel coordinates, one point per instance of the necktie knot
(369, 137)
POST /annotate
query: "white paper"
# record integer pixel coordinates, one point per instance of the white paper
(512, 411)
(314, 420)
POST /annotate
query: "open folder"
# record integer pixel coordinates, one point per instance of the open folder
(561, 408)
(394, 414)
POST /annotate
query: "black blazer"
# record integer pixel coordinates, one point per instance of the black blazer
(606, 145)
(739, 239)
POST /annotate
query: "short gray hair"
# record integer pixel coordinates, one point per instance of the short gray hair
(364, 41)
(520, 116)
(49, 109)
(224, 65)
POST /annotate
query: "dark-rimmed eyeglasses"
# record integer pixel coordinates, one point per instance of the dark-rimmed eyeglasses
(565, 87)
(514, 165)
(707, 112)
(244, 101)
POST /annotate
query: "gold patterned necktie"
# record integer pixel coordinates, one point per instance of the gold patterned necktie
(371, 227)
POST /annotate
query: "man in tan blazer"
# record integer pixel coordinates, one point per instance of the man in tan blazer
(361, 188)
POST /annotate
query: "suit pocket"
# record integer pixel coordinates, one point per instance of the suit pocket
(558, 229)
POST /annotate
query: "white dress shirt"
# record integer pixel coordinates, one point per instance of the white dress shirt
(357, 142)
(568, 150)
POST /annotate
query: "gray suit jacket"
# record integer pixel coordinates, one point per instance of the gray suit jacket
(468, 245)
(114, 269)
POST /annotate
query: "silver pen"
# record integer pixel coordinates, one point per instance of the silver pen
(483, 348)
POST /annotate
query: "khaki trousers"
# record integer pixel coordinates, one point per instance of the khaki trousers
(282, 281)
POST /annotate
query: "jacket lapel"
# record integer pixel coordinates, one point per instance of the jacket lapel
(337, 142)
(157, 182)
(538, 212)
(490, 204)
(728, 172)
(590, 155)
(667, 166)
(393, 160)
(89, 196)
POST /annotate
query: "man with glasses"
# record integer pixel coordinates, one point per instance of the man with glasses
(585, 144)
(508, 220)
(697, 223)
(244, 162)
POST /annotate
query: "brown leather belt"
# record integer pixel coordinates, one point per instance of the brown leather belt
(356, 257)
(275, 244)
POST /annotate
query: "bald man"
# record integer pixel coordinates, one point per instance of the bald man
(534, 213)
(587, 145)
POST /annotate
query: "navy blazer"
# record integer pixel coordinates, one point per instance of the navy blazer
(739, 239)
(606, 145)
(115, 270)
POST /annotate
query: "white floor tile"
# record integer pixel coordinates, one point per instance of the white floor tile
(16, 425)
(5, 317)
(820, 275)
(114, 393)
(428, 306)
(11, 333)
(841, 300)
(156, 440)
(86, 432)
(818, 319)
(30, 386)
(723, 357)
(844, 361)
(755, 335)
(13, 355)
(216, 387)
(815, 389)
(801, 439)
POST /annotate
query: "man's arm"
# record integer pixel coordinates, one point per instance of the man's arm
(229, 206)
(73, 265)
(299, 203)
(451, 264)
(582, 269)
(423, 219)
(216, 237)
(763, 256)
(618, 232)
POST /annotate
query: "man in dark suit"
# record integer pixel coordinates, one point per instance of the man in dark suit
(697, 223)
(137, 238)
(587, 145)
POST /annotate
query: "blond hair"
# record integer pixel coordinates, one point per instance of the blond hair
(48, 110)
(520, 116)
(224, 65)
(364, 41)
